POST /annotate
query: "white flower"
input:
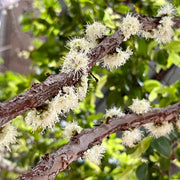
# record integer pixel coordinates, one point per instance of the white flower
(82, 89)
(114, 112)
(131, 137)
(146, 34)
(65, 100)
(32, 120)
(164, 32)
(130, 26)
(8, 136)
(61, 103)
(158, 130)
(95, 31)
(71, 129)
(140, 106)
(75, 61)
(44, 119)
(117, 59)
(167, 9)
(95, 154)
(79, 44)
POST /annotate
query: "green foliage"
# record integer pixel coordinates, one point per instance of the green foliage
(12, 84)
(162, 145)
(52, 26)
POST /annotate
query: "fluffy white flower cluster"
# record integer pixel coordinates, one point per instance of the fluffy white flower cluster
(95, 31)
(158, 130)
(65, 101)
(79, 45)
(71, 129)
(44, 119)
(131, 137)
(117, 59)
(8, 136)
(164, 32)
(62, 103)
(130, 26)
(167, 9)
(114, 112)
(95, 154)
(140, 106)
(75, 61)
(146, 34)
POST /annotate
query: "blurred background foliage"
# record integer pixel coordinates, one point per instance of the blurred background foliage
(53, 23)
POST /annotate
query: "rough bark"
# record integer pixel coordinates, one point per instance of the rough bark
(39, 93)
(51, 164)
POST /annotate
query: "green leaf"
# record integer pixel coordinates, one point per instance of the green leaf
(174, 58)
(173, 46)
(142, 47)
(161, 57)
(154, 157)
(108, 18)
(122, 8)
(153, 94)
(164, 163)
(142, 147)
(149, 85)
(142, 172)
(128, 171)
(162, 145)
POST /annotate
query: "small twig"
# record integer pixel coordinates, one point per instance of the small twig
(94, 77)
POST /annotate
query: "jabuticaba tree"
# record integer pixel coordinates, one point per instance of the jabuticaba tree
(94, 51)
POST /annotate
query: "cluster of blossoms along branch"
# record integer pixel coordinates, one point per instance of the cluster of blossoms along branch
(51, 164)
(39, 93)
(71, 83)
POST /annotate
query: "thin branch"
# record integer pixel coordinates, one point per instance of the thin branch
(51, 164)
(39, 93)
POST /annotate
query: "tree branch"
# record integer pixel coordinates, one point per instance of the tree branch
(51, 164)
(39, 93)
